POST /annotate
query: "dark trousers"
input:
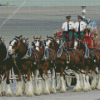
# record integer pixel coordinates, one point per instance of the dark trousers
(70, 35)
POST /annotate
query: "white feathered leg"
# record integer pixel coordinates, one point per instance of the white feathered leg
(93, 84)
(98, 84)
(62, 84)
(23, 86)
(40, 86)
(4, 87)
(85, 87)
(81, 81)
(69, 80)
(78, 86)
(88, 84)
(29, 88)
(53, 90)
(9, 92)
(19, 88)
(46, 86)
(36, 88)
(58, 83)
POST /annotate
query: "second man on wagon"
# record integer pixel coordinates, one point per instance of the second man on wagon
(67, 28)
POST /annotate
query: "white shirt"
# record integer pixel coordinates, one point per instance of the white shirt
(82, 25)
(64, 25)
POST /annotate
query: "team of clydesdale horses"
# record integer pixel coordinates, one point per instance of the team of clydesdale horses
(47, 55)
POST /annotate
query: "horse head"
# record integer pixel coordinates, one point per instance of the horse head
(17, 46)
(48, 41)
(37, 42)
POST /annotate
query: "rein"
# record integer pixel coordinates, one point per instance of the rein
(17, 67)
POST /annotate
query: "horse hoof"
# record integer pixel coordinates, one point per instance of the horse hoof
(4, 93)
(46, 92)
(53, 90)
(62, 91)
(18, 95)
(29, 94)
(85, 90)
(37, 93)
(9, 94)
(57, 88)
(76, 90)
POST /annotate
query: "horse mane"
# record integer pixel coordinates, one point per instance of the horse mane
(21, 49)
(55, 46)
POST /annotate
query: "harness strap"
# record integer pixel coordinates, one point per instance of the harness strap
(52, 53)
(73, 54)
(67, 57)
(94, 56)
(18, 68)
(35, 55)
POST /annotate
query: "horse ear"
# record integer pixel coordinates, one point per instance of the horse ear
(40, 37)
(33, 37)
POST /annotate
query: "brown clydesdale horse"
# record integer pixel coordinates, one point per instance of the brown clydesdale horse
(45, 59)
(72, 59)
(17, 49)
(91, 63)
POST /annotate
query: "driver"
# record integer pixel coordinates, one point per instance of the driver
(67, 28)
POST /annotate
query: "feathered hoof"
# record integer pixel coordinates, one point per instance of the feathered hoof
(9, 94)
(57, 88)
(37, 92)
(76, 89)
(4, 93)
(53, 90)
(62, 90)
(92, 88)
(29, 94)
(85, 89)
(46, 92)
(66, 88)
(19, 94)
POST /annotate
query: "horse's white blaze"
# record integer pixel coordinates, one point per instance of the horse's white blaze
(48, 43)
(62, 84)
(88, 84)
(75, 44)
(98, 84)
(9, 92)
(93, 84)
(53, 90)
(58, 83)
(37, 45)
(85, 86)
(78, 86)
(36, 88)
(46, 86)
(10, 50)
(19, 88)
(29, 88)
(4, 87)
